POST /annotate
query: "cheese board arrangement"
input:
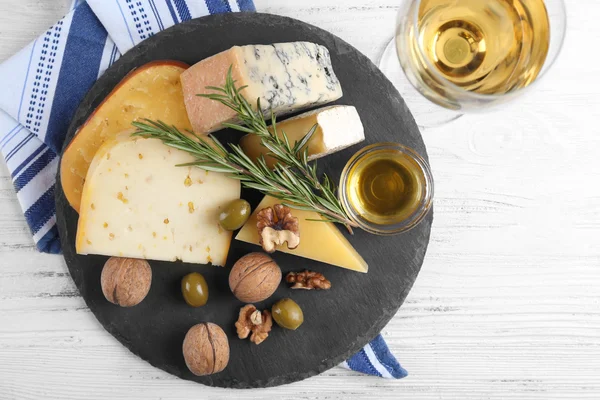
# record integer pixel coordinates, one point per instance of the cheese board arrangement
(245, 200)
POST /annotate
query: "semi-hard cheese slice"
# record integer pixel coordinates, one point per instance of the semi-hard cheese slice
(319, 241)
(137, 203)
(152, 91)
(287, 77)
(338, 127)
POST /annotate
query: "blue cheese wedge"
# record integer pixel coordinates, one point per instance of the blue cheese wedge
(137, 203)
(286, 77)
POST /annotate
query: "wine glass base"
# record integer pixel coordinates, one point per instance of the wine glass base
(426, 113)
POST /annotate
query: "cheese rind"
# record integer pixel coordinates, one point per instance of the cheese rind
(338, 127)
(137, 203)
(319, 241)
(152, 91)
(286, 77)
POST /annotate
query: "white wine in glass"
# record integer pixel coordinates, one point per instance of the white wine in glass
(466, 55)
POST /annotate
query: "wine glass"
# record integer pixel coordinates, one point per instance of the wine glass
(463, 56)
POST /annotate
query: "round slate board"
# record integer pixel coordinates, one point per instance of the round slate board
(338, 322)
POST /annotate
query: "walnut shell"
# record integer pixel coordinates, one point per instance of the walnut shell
(126, 281)
(254, 277)
(206, 349)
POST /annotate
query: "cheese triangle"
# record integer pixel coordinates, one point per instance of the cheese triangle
(319, 241)
(138, 203)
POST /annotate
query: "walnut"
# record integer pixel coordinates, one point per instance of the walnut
(254, 277)
(206, 349)
(276, 225)
(126, 281)
(257, 322)
(308, 280)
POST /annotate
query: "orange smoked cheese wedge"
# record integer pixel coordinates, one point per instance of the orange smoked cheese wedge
(152, 91)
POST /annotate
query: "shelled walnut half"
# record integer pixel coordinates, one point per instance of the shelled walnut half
(276, 225)
(254, 321)
(308, 280)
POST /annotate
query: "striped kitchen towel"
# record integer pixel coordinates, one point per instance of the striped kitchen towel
(44, 83)
(376, 359)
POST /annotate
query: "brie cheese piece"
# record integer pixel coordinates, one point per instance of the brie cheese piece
(338, 127)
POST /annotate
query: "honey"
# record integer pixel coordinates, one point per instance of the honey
(387, 188)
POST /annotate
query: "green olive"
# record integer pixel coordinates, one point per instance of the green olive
(288, 314)
(235, 215)
(194, 289)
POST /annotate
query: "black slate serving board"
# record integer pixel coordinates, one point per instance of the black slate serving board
(338, 322)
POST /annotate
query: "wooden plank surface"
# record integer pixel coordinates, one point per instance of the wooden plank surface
(507, 304)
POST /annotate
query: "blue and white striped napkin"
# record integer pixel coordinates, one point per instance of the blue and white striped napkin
(43, 84)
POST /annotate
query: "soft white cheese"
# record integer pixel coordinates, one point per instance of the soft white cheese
(137, 203)
(338, 127)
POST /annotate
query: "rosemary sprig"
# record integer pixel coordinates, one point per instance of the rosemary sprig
(293, 180)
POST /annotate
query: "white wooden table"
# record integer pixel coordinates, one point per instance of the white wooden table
(507, 304)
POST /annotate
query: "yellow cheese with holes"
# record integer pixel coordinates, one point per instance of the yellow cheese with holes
(319, 241)
(137, 203)
(338, 127)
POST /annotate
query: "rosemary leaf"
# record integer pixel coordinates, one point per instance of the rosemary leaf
(305, 139)
(321, 220)
(216, 89)
(238, 127)
(207, 167)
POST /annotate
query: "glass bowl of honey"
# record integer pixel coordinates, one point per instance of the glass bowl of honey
(386, 188)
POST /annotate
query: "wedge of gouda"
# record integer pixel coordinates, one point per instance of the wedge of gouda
(319, 241)
(137, 203)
